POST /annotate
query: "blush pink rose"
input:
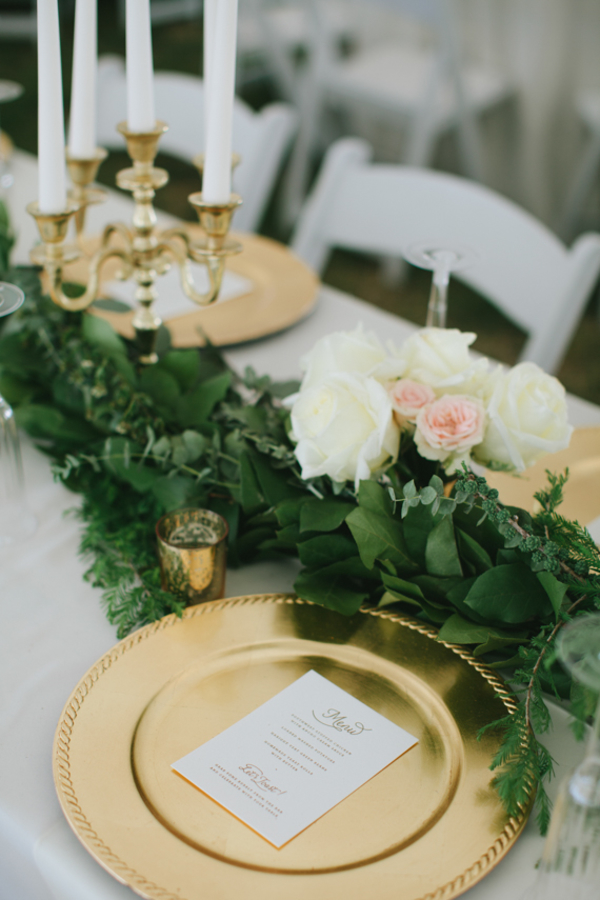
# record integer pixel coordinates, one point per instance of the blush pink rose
(449, 427)
(408, 397)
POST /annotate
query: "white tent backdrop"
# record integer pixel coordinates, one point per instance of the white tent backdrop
(552, 50)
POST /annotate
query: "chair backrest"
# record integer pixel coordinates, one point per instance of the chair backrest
(261, 138)
(521, 266)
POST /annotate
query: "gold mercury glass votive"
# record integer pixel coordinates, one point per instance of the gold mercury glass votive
(192, 551)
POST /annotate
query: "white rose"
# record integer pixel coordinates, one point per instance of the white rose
(440, 357)
(344, 428)
(527, 418)
(355, 351)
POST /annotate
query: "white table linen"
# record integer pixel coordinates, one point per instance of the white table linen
(54, 628)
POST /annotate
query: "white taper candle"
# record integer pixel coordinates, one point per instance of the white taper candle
(216, 184)
(140, 87)
(82, 122)
(210, 7)
(52, 192)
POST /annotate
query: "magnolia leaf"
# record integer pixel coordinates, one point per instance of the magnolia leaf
(379, 537)
(441, 554)
(193, 409)
(325, 549)
(288, 512)
(510, 594)
(473, 552)
(161, 386)
(400, 586)
(183, 365)
(417, 526)
(42, 421)
(251, 496)
(391, 597)
(374, 497)
(434, 587)
(498, 642)
(14, 390)
(329, 590)
(323, 515)
(555, 589)
(102, 335)
(457, 630)
(457, 596)
(274, 483)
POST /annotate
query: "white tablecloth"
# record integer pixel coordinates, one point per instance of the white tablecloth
(54, 629)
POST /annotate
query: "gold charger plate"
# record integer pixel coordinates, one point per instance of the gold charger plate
(428, 826)
(582, 491)
(285, 290)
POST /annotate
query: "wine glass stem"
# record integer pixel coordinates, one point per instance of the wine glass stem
(437, 306)
(10, 454)
(593, 743)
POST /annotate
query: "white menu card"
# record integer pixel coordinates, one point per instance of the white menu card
(283, 766)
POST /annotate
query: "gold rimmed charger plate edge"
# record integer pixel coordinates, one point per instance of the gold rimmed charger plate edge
(284, 292)
(582, 490)
(119, 868)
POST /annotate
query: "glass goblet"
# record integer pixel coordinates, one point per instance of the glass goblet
(443, 259)
(9, 90)
(16, 520)
(570, 865)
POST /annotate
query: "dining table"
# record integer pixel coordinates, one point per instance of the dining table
(54, 626)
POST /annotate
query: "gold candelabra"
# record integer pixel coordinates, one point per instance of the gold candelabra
(145, 252)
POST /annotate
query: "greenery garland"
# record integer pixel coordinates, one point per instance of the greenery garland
(138, 441)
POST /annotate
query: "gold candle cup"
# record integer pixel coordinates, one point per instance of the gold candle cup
(192, 551)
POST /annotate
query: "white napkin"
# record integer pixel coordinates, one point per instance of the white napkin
(171, 301)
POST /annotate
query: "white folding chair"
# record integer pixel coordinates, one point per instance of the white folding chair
(588, 168)
(261, 138)
(424, 85)
(520, 266)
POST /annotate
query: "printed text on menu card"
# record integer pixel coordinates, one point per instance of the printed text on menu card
(284, 765)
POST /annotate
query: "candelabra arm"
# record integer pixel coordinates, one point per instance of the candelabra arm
(215, 266)
(54, 267)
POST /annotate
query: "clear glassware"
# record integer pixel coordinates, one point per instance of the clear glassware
(442, 259)
(16, 520)
(9, 90)
(570, 865)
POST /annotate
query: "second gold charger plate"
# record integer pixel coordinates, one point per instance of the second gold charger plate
(284, 290)
(429, 825)
(582, 490)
